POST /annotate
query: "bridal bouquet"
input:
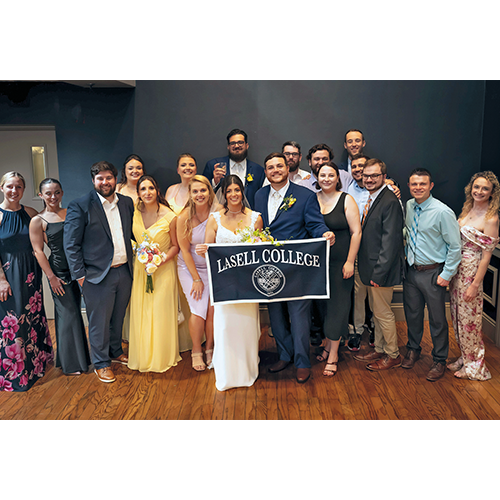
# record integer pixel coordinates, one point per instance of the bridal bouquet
(149, 254)
(249, 235)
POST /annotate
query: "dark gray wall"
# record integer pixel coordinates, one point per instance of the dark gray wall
(91, 125)
(407, 124)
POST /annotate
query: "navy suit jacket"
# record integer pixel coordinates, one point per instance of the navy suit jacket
(381, 253)
(88, 244)
(302, 220)
(251, 187)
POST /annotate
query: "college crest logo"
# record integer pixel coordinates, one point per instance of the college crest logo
(268, 280)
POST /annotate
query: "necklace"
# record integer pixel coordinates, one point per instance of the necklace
(231, 212)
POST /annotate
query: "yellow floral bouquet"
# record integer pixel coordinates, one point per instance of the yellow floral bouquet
(249, 235)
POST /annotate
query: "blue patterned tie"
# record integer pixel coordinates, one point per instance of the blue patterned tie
(412, 243)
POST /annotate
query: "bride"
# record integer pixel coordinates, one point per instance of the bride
(236, 326)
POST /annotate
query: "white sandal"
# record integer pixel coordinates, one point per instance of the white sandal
(209, 358)
(197, 361)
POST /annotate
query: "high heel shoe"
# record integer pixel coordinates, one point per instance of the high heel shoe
(209, 353)
(322, 357)
(197, 361)
(328, 372)
(454, 367)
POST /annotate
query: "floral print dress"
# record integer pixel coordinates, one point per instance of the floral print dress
(467, 317)
(25, 344)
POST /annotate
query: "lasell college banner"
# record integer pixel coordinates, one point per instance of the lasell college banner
(263, 272)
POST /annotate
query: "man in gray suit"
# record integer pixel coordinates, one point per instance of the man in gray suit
(381, 263)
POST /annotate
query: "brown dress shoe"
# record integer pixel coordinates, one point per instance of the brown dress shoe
(436, 372)
(385, 363)
(410, 358)
(277, 367)
(105, 375)
(368, 356)
(303, 375)
(123, 359)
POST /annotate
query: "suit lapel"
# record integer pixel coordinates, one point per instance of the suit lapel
(374, 204)
(281, 208)
(98, 209)
(265, 212)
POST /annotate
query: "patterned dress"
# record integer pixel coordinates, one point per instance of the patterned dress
(467, 316)
(25, 344)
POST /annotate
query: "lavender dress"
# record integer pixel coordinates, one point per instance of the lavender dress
(198, 307)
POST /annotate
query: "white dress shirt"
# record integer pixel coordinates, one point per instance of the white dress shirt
(275, 200)
(115, 225)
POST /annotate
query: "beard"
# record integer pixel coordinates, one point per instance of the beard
(106, 192)
(238, 157)
(293, 166)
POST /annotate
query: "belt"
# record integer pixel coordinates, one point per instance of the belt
(426, 268)
(118, 265)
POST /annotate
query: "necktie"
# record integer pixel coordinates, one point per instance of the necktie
(238, 170)
(366, 209)
(412, 242)
(275, 203)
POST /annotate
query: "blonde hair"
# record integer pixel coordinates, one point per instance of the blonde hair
(494, 203)
(190, 206)
(8, 175)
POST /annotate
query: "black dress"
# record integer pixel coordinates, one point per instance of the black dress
(72, 353)
(339, 304)
(25, 344)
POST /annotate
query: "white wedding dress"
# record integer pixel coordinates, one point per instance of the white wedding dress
(236, 332)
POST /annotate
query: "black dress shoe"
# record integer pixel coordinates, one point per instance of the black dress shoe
(316, 339)
(277, 367)
(354, 342)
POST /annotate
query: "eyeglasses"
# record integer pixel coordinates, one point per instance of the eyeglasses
(293, 155)
(236, 143)
(372, 176)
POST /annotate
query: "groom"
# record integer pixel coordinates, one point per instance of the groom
(297, 219)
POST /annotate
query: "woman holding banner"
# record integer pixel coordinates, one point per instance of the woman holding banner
(341, 215)
(236, 326)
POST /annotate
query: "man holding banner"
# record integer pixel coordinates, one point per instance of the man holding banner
(291, 212)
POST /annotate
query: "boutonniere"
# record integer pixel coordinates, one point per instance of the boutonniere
(249, 178)
(288, 202)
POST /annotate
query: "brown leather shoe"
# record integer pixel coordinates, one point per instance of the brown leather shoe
(277, 367)
(303, 375)
(436, 372)
(385, 363)
(410, 358)
(368, 356)
(123, 359)
(105, 375)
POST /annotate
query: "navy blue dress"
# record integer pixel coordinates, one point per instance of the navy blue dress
(25, 344)
(72, 353)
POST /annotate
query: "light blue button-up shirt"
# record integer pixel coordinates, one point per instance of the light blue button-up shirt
(438, 235)
(360, 195)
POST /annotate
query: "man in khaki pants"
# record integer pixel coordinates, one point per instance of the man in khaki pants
(381, 263)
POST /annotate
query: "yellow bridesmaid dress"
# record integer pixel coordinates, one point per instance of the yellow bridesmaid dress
(153, 338)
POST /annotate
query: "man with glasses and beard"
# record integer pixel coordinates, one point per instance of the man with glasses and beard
(251, 174)
(381, 263)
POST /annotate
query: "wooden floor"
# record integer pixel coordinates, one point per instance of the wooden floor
(183, 394)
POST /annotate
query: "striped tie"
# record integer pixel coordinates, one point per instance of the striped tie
(412, 243)
(366, 209)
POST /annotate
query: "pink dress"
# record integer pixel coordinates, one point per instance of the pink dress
(197, 307)
(467, 316)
